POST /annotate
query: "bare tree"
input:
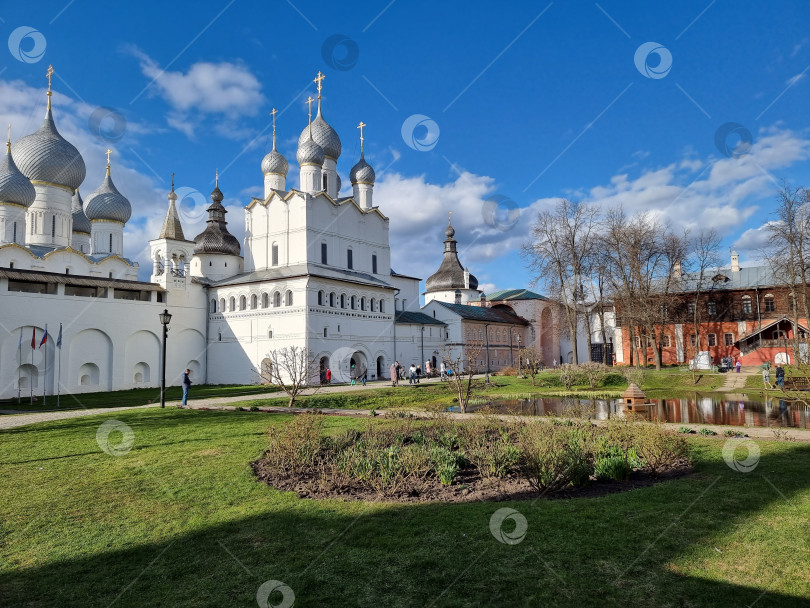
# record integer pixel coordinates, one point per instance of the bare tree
(788, 253)
(563, 239)
(531, 360)
(461, 360)
(703, 255)
(292, 368)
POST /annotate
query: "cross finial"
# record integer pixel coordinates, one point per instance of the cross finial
(318, 80)
(273, 114)
(172, 181)
(360, 126)
(9, 135)
(217, 182)
(108, 156)
(449, 213)
(49, 75)
(309, 103)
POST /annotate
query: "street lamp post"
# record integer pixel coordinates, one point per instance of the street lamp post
(519, 357)
(165, 318)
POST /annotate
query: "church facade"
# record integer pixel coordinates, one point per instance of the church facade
(314, 272)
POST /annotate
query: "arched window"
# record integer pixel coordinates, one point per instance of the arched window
(373, 302)
(353, 302)
(222, 305)
(274, 254)
(746, 305)
(265, 300)
(213, 305)
(325, 182)
(382, 305)
(277, 299)
(770, 305)
(362, 303)
(288, 298)
(332, 299)
(254, 302)
(350, 259)
(320, 298)
(374, 263)
(343, 300)
(242, 302)
(232, 304)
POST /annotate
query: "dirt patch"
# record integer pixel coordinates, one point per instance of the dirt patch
(468, 486)
(210, 452)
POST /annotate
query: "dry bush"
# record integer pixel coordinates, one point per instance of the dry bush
(569, 375)
(660, 449)
(594, 373)
(294, 447)
(508, 371)
(553, 457)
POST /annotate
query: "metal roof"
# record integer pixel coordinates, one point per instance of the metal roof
(302, 270)
(727, 279)
(480, 313)
(74, 279)
(417, 318)
(514, 294)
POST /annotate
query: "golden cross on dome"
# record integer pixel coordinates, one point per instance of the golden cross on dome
(108, 156)
(273, 114)
(318, 80)
(49, 75)
(449, 213)
(309, 103)
(360, 126)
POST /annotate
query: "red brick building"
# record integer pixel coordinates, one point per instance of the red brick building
(744, 314)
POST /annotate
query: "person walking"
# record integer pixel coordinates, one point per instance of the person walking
(738, 365)
(392, 370)
(412, 374)
(418, 373)
(442, 371)
(766, 376)
(364, 377)
(186, 385)
(328, 376)
(780, 375)
(428, 369)
(353, 376)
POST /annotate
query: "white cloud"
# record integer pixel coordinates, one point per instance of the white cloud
(226, 89)
(794, 79)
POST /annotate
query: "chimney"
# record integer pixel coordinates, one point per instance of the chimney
(483, 299)
(735, 262)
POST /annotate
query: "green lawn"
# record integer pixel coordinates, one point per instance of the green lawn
(180, 521)
(138, 396)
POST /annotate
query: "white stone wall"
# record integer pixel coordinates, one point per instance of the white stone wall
(50, 218)
(99, 351)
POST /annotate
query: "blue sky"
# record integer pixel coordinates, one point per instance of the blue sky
(527, 102)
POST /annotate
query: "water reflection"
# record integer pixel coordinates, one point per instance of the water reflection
(737, 411)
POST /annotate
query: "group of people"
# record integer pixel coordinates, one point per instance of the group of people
(780, 376)
(355, 375)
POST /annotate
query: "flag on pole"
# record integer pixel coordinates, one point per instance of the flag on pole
(59, 338)
(44, 337)
(34, 338)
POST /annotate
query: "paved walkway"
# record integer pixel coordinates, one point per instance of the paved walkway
(736, 382)
(15, 418)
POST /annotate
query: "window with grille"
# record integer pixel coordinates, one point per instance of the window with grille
(770, 305)
(712, 339)
(746, 305)
(728, 339)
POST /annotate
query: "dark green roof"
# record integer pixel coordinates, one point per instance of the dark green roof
(514, 294)
(480, 313)
(417, 318)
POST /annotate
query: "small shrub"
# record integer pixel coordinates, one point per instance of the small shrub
(569, 375)
(735, 434)
(634, 375)
(508, 371)
(254, 408)
(659, 448)
(594, 373)
(685, 430)
(294, 446)
(707, 432)
(552, 458)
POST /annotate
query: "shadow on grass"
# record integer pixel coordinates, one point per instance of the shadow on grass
(623, 549)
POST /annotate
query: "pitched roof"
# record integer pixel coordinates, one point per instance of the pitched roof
(768, 326)
(75, 279)
(417, 318)
(480, 313)
(302, 270)
(172, 229)
(727, 279)
(514, 294)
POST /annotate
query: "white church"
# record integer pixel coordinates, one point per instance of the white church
(314, 271)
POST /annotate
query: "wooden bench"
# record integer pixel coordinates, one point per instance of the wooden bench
(797, 383)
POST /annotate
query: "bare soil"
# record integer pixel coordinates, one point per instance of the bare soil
(468, 486)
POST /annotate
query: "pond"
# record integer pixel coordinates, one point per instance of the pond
(737, 411)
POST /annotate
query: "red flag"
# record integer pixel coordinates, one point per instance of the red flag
(34, 338)
(44, 337)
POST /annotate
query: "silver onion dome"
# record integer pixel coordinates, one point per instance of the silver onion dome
(324, 135)
(80, 221)
(107, 204)
(275, 162)
(46, 156)
(14, 186)
(362, 173)
(216, 238)
(309, 153)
